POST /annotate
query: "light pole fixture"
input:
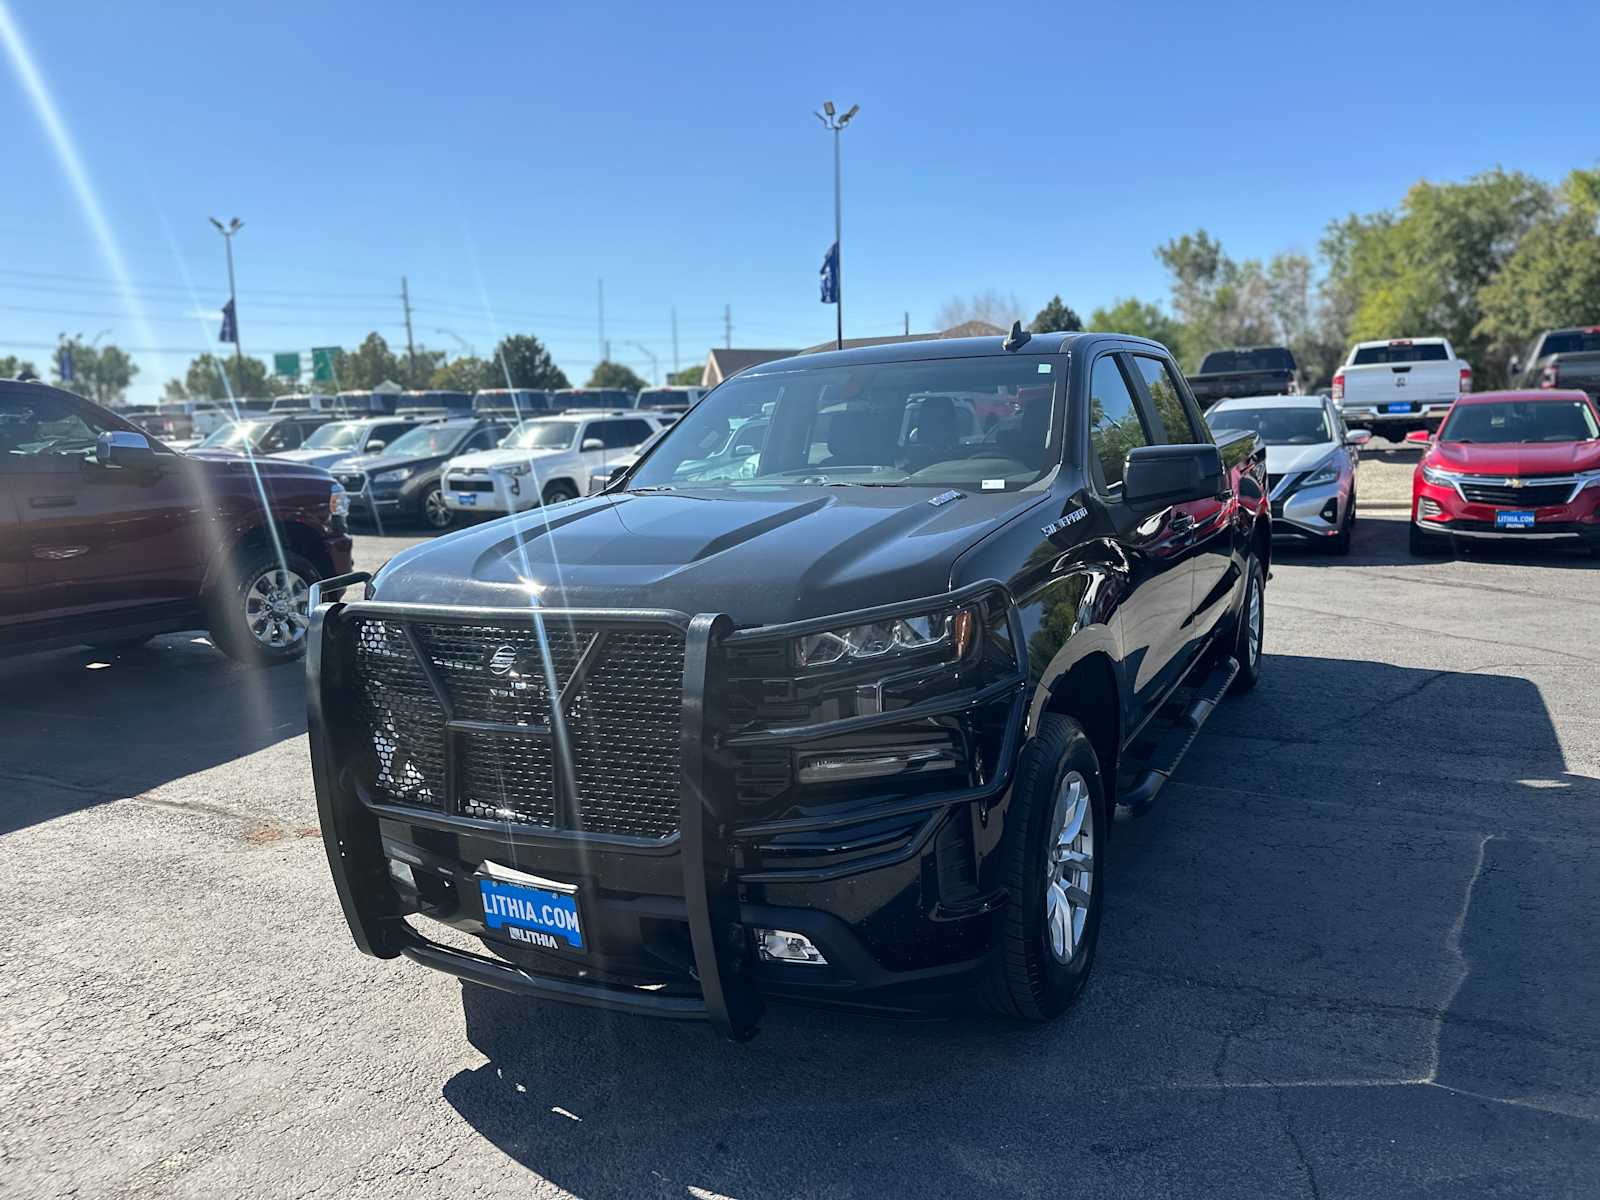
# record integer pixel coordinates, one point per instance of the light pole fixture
(835, 123)
(655, 363)
(227, 231)
(465, 345)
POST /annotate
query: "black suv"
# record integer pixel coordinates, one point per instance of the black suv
(840, 717)
(402, 481)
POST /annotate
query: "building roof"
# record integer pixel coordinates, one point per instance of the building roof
(722, 363)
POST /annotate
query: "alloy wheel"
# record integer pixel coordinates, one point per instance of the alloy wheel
(277, 608)
(1069, 869)
(435, 511)
(1255, 620)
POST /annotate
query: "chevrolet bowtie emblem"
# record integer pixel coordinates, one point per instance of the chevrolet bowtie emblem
(1516, 483)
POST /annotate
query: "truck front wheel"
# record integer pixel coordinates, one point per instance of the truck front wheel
(1055, 873)
(261, 610)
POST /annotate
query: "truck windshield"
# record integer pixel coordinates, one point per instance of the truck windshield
(542, 435)
(427, 440)
(1270, 359)
(1570, 341)
(339, 435)
(988, 424)
(236, 435)
(1521, 421)
(1276, 426)
(1372, 355)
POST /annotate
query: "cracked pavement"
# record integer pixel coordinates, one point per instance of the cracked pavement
(1352, 952)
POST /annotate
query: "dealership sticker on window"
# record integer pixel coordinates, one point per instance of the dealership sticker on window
(994, 485)
(1044, 368)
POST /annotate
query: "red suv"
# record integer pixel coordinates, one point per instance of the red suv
(1510, 467)
(107, 537)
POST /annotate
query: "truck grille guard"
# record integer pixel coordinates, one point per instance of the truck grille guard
(706, 838)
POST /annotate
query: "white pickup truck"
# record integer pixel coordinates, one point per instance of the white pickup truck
(1401, 385)
(545, 460)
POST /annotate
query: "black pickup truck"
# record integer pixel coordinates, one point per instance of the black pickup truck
(843, 718)
(1562, 358)
(1254, 371)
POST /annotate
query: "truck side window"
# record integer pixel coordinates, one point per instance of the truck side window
(1167, 398)
(1114, 423)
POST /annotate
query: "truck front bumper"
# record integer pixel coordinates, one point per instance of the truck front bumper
(898, 891)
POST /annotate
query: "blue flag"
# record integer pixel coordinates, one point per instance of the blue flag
(830, 275)
(230, 326)
(64, 361)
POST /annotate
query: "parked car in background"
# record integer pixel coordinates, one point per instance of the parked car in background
(455, 404)
(1311, 463)
(609, 472)
(1399, 386)
(1572, 346)
(401, 482)
(544, 461)
(675, 399)
(263, 435)
(1516, 466)
(520, 404)
(360, 402)
(568, 399)
(339, 440)
(305, 402)
(108, 537)
(1248, 371)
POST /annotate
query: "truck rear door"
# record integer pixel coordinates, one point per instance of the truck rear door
(1402, 376)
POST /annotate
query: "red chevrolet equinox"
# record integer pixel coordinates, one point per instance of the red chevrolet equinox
(1510, 467)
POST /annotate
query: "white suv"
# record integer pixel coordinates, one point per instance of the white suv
(545, 460)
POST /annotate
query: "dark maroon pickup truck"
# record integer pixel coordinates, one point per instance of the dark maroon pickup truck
(108, 538)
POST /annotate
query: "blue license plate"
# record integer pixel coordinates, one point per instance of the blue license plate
(535, 916)
(1513, 520)
(466, 499)
(1404, 406)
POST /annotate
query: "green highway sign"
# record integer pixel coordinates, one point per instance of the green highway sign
(322, 363)
(286, 365)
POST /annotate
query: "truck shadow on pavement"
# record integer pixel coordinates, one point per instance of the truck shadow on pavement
(84, 727)
(1348, 916)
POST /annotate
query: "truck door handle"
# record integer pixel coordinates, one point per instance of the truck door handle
(1181, 522)
(52, 501)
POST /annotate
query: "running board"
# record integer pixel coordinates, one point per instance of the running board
(1167, 739)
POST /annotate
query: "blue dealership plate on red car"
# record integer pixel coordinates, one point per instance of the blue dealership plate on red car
(1513, 520)
(529, 910)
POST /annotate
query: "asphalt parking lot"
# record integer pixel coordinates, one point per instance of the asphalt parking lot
(1353, 952)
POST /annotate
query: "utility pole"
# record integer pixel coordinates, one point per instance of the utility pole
(411, 346)
(727, 327)
(908, 324)
(674, 341)
(227, 231)
(605, 351)
(837, 124)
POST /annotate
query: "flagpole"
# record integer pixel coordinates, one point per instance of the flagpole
(227, 231)
(838, 249)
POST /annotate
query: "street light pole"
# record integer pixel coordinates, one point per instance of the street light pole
(227, 231)
(836, 124)
(655, 363)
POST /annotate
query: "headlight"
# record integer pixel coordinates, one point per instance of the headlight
(1326, 471)
(338, 501)
(951, 628)
(394, 476)
(1439, 476)
(513, 469)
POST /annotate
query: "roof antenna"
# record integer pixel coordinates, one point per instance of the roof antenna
(1017, 338)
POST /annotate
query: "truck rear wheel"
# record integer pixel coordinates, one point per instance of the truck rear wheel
(1252, 628)
(1056, 830)
(261, 610)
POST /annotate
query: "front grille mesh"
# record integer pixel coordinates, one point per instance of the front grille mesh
(623, 720)
(1531, 495)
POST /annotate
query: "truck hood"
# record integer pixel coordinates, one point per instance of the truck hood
(314, 458)
(1291, 460)
(483, 460)
(272, 467)
(371, 463)
(762, 555)
(1544, 458)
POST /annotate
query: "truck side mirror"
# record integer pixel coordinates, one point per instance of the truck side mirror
(121, 448)
(592, 444)
(1419, 435)
(375, 445)
(1156, 475)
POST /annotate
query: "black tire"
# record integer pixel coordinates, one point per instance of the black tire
(1248, 652)
(433, 513)
(1426, 545)
(237, 602)
(559, 492)
(1026, 979)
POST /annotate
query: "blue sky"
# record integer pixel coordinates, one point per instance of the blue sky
(505, 157)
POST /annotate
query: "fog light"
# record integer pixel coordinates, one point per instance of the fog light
(1429, 508)
(783, 945)
(401, 873)
(1330, 511)
(847, 765)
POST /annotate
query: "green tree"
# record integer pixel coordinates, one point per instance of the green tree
(11, 366)
(615, 375)
(1056, 317)
(219, 377)
(521, 361)
(1422, 270)
(100, 374)
(1140, 319)
(693, 376)
(368, 365)
(1219, 302)
(466, 374)
(1552, 279)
